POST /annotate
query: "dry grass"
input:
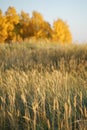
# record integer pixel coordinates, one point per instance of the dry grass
(43, 88)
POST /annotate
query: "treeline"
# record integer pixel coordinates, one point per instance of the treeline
(16, 27)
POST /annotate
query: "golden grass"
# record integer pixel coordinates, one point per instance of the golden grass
(43, 88)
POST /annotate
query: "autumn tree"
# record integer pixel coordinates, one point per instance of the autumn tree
(61, 32)
(23, 25)
(39, 27)
(3, 28)
(12, 19)
(36, 23)
(45, 32)
(19, 27)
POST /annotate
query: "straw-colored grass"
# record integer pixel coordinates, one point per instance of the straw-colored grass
(43, 88)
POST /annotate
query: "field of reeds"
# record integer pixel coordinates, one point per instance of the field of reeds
(43, 87)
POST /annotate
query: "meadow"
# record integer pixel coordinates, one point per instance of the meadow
(43, 86)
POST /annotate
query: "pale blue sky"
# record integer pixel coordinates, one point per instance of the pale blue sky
(74, 12)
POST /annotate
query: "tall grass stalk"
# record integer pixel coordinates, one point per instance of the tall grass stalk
(43, 87)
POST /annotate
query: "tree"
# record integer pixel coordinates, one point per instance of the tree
(3, 28)
(45, 31)
(39, 27)
(23, 25)
(61, 32)
(36, 23)
(17, 27)
(12, 20)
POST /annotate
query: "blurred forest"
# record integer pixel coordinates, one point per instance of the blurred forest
(18, 27)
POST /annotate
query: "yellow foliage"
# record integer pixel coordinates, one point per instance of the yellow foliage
(37, 16)
(18, 27)
(36, 21)
(3, 28)
(12, 16)
(61, 32)
(12, 20)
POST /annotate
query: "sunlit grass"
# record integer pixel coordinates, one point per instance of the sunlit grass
(43, 87)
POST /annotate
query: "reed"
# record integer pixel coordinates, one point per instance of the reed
(43, 88)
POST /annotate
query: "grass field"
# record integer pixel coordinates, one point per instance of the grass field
(43, 87)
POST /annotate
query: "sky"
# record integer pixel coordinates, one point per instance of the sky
(74, 12)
